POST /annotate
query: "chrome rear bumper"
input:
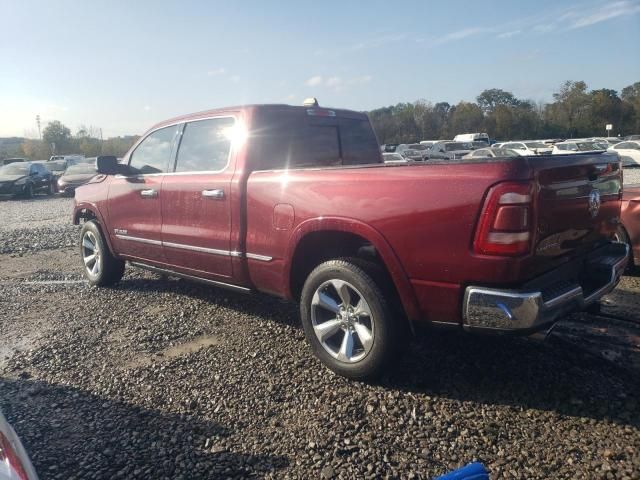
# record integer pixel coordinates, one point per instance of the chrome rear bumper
(531, 309)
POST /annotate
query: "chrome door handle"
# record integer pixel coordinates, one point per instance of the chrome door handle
(216, 194)
(151, 193)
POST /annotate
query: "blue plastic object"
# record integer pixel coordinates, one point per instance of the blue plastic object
(473, 471)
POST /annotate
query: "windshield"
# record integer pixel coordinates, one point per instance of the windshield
(586, 146)
(15, 169)
(417, 146)
(536, 145)
(55, 166)
(80, 169)
(449, 147)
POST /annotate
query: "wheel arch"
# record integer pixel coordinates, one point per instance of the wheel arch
(84, 212)
(350, 237)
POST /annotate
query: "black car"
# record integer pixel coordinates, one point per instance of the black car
(74, 176)
(25, 178)
(56, 167)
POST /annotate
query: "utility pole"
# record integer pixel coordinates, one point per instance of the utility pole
(38, 122)
(101, 141)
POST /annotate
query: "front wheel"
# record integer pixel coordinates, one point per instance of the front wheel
(347, 320)
(101, 268)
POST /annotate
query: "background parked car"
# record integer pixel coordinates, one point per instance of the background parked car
(7, 161)
(449, 150)
(428, 143)
(56, 167)
(14, 461)
(74, 176)
(528, 147)
(25, 178)
(413, 151)
(394, 158)
(577, 146)
(629, 152)
(492, 153)
(389, 147)
(472, 137)
(632, 137)
(74, 157)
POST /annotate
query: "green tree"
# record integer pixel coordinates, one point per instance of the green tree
(490, 99)
(58, 134)
(467, 117)
(606, 107)
(571, 109)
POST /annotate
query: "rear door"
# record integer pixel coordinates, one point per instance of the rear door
(196, 200)
(134, 200)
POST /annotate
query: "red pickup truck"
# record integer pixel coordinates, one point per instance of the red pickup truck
(297, 202)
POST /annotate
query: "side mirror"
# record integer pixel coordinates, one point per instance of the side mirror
(33, 173)
(107, 164)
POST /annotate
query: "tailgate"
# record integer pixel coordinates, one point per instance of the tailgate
(578, 204)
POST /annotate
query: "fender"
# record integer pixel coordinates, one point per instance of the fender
(357, 227)
(96, 211)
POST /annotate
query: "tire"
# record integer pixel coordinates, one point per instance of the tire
(100, 267)
(28, 190)
(622, 236)
(343, 305)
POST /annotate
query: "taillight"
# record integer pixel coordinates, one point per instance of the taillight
(505, 226)
(9, 458)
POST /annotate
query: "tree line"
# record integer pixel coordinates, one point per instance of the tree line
(57, 139)
(575, 112)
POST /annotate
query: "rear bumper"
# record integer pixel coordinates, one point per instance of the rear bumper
(542, 301)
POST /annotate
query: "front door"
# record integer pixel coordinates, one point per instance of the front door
(135, 199)
(196, 200)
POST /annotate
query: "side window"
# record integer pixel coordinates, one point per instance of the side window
(154, 153)
(33, 169)
(205, 145)
(623, 146)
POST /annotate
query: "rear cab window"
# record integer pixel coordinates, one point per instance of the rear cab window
(284, 139)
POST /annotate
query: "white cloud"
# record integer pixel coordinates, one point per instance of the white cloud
(462, 34)
(509, 34)
(336, 82)
(217, 72)
(235, 78)
(315, 81)
(146, 108)
(333, 82)
(603, 13)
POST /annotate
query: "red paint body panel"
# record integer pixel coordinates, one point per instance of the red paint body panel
(421, 219)
(631, 218)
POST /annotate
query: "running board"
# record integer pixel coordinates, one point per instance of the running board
(206, 281)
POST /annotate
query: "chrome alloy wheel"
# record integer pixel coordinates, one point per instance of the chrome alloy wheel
(91, 253)
(342, 321)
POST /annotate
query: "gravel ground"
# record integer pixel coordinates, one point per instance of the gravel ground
(160, 378)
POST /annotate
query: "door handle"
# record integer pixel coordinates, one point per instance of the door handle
(151, 193)
(216, 194)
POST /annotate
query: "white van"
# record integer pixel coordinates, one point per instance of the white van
(472, 137)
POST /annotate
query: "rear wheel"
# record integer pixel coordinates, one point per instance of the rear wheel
(347, 320)
(101, 268)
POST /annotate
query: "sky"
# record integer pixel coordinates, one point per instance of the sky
(122, 65)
